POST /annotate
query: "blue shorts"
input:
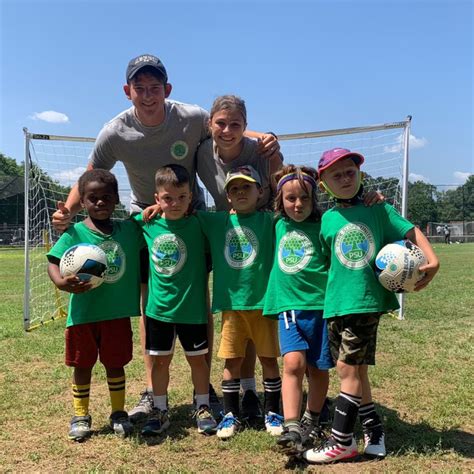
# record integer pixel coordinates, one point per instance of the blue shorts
(305, 330)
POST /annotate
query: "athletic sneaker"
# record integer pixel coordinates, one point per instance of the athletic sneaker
(142, 408)
(120, 423)
(251, 406)
(311, 433)
(274, 423)
(80, 428)
(158, 421)
(374, 443)
(331, 451)
(291, 442)
(205, 421)
(228, 427)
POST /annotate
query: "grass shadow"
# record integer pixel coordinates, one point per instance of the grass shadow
(420, 438)
(181, 420)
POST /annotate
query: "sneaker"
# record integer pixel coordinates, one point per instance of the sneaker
(331, 451)
(311, 433)
(251, 406)
(374, 443)
(228, 427)
(80, 428)
(142, 408)
(274, 423)
(291, 442)
(120, 423)
(205, 421)
(214, 402)
(158, 421)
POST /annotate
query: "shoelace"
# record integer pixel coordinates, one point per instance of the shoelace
(274, 419)
(227, 422)
(146, 398)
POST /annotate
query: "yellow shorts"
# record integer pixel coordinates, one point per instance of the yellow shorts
(239, 327)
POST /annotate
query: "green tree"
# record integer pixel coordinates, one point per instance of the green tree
(457, 204)
(422, 207)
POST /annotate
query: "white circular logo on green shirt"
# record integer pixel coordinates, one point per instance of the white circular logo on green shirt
(179, 150)
(116, 261)
(294, 252)
(241, 247)
(169, 254)
(354, 245)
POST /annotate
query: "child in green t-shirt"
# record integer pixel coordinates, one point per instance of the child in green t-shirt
(241, 244)
(295, 296)
(98, 322)
(177, 292)
(352, 235)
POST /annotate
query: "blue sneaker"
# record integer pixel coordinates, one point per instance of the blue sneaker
(158, 422)
(274, 423)
(228, 427)
(206, 423)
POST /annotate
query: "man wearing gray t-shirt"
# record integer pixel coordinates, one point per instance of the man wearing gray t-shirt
(154, 132)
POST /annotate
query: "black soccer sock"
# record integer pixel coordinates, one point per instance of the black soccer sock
(345, 416)
(368, 417)
(272, 395)
(231, 395)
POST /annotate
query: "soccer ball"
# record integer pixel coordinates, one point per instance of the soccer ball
(86, 261)
(397, 266)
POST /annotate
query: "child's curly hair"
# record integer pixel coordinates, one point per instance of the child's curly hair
(100, 176)
(307, 178)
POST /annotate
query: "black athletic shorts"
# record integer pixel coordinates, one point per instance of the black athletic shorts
(161, 337)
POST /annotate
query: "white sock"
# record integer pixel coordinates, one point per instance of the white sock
(160, 402)
(248, 384)
(202, 400)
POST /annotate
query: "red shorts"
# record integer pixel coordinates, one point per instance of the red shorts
(111, 340)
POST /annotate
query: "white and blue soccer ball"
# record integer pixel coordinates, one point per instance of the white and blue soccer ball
(397, 266)
(88, 262)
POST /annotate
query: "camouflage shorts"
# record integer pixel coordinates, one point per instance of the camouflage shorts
(353, 338)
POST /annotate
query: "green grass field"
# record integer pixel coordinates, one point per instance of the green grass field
(422, 383)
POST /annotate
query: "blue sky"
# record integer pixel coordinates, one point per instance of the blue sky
(300, 66)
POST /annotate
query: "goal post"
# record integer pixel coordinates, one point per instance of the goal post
(53, 164)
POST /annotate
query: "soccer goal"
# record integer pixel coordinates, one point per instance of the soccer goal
(54, 163)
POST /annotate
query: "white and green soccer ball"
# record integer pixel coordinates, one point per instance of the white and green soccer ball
(397, 266)
(88, 262)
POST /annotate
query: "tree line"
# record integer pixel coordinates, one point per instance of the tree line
(425, 202)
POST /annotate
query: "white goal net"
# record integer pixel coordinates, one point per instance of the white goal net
(54, 163)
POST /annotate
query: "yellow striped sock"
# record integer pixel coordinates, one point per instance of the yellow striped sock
(80, 395)
(117, 392)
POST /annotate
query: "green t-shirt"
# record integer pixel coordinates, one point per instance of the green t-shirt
(352, 237)
(177, 283)
(119, 295)
(299, 273)
(242, 250)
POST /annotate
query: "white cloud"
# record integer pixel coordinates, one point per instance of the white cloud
(417, 177)
(69, 177)
(51, 116)
(414, 144)
(461, 176)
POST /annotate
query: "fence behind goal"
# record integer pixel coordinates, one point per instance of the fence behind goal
(54, 163)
